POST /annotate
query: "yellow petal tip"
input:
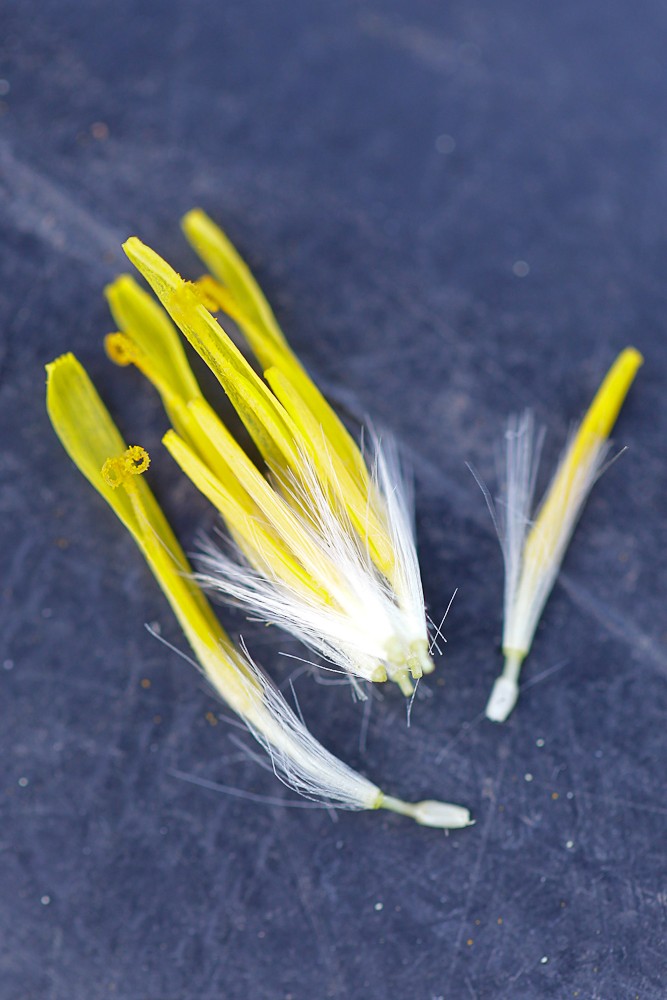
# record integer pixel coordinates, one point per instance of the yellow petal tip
(194, 215)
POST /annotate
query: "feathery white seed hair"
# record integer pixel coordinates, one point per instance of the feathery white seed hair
(303, 764)
(529, 582)
(297, 758)
(523, 447)
(370, 628)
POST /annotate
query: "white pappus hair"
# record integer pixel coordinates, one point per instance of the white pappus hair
(297, 758)
(531, 572)
(366, 627)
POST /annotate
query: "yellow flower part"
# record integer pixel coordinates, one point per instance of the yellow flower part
(95, 445)
(236, 293)
(325, 549)
(533, 555)
(279, 427)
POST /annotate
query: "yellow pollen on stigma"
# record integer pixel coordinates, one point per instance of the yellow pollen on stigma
(119, 471)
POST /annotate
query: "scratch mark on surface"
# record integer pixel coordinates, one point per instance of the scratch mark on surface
(466, 729)
(435, 53)
(481, 854)
(625, 803)
(470, 988)
(321, 933)
(37, 206)
(616, 623)
(11, 576)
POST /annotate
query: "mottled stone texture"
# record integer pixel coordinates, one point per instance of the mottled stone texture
(389, 168)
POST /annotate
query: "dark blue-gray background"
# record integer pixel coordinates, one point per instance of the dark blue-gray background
(389, 169)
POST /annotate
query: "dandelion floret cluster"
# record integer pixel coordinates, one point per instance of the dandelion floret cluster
(115, 470)
(324, 546)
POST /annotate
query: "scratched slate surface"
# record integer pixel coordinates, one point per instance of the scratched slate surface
(389, 169)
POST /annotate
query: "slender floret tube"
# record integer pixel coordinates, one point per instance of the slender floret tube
(95, 445)
(533, 551)
(323, 547)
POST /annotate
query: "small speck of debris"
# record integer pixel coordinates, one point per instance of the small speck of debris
(569, 795)
(500, 920)
(569, 844)
(554, 796)
(23, 782)
(469, 942)
(521, 268)
(539, 743)
(211, 718)
(99, 130)
(544, 959)
(339, 844)
(527, 776)
(445, 143)
(45, 900)
(379, 906)
(145, 683)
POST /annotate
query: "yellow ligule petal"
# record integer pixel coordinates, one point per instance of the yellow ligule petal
(280, 437)
(202, 444)
(94, 444)
(149, 345)
(253, 536)
(274, 508)
(217, 474)
(264, 418)
(141, 318)
(87, 432)
(332, 471)
(242, 299)
(221, 257)
(593, 430)
(603, 411)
